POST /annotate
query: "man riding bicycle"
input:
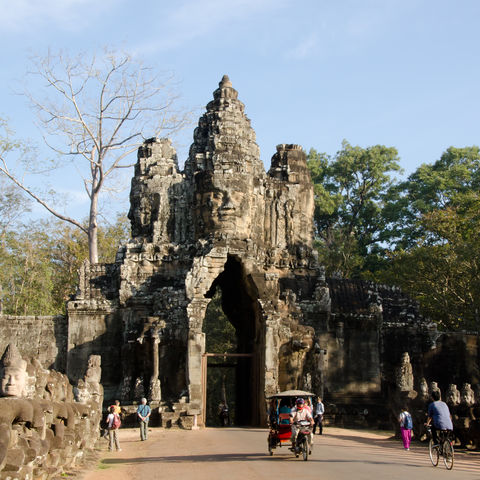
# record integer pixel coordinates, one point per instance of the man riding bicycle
(438, 416)
(299, 413)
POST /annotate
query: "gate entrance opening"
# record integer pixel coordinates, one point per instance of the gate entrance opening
(231, 366)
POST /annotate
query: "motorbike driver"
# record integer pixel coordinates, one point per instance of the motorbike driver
(297, 414)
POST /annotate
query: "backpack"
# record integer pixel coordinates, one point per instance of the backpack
(116, 421)
(407, 421)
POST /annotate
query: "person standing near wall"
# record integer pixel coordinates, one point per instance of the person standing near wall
(318, 416)
(113, 424)
(143, 413)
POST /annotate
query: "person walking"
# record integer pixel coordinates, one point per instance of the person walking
(318, 416)
(143, 414)
(406, 427)
(113, 424)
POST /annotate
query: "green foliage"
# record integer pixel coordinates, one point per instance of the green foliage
(350, 189)
(39, 264)
(220, 333)
(443, 270)
(452, 181)
(220, 338)
(421, 233)
(434, 236)
(26, 274)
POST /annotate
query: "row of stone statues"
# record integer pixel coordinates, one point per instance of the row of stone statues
(46, 426)
(464, 403)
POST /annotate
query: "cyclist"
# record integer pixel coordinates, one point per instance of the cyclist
(438, 416)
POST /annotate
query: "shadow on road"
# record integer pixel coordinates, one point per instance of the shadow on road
(245, 457)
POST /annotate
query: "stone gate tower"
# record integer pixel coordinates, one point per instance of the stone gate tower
(222, 222)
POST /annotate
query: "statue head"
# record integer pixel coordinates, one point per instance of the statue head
(94, 369)
(13, 373)
(434, 388)
(423, 389)
(467, 395)
(453, 395)
(82, 393)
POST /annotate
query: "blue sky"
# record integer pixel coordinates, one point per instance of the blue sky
(399, 73)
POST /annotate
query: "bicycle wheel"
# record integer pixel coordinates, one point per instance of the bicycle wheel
(305, 449)
(448, 454)
(433, 452)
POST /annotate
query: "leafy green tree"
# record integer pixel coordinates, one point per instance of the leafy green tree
(39, 264)
(432, 226)
(350, 190)
(451, 181)
(70, 250)
(220, 333)
(443, 270)
(26, 273)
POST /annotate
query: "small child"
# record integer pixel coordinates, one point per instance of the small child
(406, 426)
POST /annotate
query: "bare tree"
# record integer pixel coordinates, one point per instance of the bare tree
(94, 114)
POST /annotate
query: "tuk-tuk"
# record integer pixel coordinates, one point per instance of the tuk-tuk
(280, 405)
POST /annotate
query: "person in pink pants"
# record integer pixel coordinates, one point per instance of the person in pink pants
(406, 426)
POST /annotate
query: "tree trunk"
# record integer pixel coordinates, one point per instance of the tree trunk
(93, 230)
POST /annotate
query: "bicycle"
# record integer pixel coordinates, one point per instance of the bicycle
(443, 448)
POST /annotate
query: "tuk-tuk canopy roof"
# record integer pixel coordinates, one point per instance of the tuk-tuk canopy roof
(291, 393)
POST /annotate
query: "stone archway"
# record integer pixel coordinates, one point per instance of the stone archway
(239, 300)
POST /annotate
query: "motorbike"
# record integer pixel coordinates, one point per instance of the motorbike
(302, 443)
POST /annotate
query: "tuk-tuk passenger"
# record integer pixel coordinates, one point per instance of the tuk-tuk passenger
(285, 409)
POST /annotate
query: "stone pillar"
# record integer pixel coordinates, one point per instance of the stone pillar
(271, 358)
(196, 348)
(155, 389)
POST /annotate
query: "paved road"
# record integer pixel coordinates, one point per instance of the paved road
(235, 453)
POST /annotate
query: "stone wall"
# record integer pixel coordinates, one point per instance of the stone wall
(41, 337)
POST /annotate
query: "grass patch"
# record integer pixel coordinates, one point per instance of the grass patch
(102, 466)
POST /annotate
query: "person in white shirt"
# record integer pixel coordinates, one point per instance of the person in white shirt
(318, 416)
(297, 414)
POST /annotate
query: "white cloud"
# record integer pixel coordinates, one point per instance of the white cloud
(304, 48)
(193, 19)
(22, 15)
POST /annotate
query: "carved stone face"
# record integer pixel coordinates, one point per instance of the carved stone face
(423, 389)
(405, 358)
(13, 382)
(223, 210)
(453, 395)
(467, 396)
